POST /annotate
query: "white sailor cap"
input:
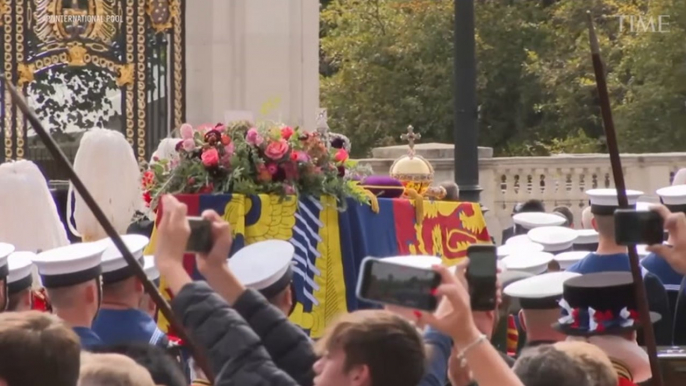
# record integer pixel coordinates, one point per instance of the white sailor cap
(673, 197)
(114, 266)
(414, 261)
(150, 269)
(264, 266)
(510, 249)
(586, 236)
(519, 239)
(20, 267)
(604, 202)
(532, 220)
(567, 259)
(5, 250)
(554, 239)
(534, 263)
(540, 292)
(70, 265)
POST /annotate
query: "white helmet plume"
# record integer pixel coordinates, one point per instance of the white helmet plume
(166, 150)
(106, 164)
(29, 219)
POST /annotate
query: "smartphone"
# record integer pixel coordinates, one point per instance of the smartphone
(382, 282)
(200, 240)
(482, 276)
(633, 227)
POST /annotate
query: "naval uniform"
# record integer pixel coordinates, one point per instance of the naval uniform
(130, 325)
(116, 326)
(655, 291)
(70, 266)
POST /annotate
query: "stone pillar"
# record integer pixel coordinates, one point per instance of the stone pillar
(253, 55)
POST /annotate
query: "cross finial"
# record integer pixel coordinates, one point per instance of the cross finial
(411, 137)
(323, 127)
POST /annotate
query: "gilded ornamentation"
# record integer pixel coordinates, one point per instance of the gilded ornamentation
(125, 75)
(77, 55)
(25, 72)
(2, 13)
(19, 15)
(179, 52)
(413, 170)
(141, 64)
(162, 14)
(59, 21)
(8, 51)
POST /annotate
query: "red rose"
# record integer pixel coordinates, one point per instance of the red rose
(209, 188)
(147, 198)
(210, 157)
(286, 132)
(341, 155)
(276, 150)
(226, 139)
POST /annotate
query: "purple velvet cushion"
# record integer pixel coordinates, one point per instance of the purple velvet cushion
(383, 186)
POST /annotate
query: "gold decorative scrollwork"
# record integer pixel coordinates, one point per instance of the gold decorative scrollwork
(125, 75)
(162, 14)
(2, 13)
(25, 72)
(178, 64)
(77, 55)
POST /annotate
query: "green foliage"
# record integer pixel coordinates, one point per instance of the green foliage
(391, 64)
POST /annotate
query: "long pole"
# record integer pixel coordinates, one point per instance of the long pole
(610, 134)
(465, 129)
(150, 288)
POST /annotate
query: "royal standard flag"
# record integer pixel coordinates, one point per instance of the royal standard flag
(330, 244)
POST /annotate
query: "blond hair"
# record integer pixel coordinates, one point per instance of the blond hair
(587, 218)
(112, 370)
(106, 164)
(592, 359)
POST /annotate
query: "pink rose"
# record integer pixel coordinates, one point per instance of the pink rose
(229, 149)
(204, 128)
(220, 127)
(286, 132)
(188, 144)
(253, 137)
(210, 157)
(300, 156)
(277, 149)
(288, 189)
(186, 131)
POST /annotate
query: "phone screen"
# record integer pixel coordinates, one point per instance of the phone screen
(481, 276)
(200, 240)
(634, 227)
(390, 283)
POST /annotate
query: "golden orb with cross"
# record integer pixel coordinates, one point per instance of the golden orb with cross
(412, 170)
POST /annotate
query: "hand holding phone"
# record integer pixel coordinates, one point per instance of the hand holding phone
(482, 276)
(633, 227)
(200, 240)
(383, 282)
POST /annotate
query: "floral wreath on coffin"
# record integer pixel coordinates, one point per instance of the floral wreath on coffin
(262, 158)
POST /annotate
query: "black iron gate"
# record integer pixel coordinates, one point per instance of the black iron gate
(135, 47)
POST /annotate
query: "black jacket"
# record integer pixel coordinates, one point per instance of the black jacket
(237, 355)
(290, 349)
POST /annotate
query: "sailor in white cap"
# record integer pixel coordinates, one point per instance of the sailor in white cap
(567, 259)
(524, 222)
(5, 250)
(30, 220)
(674, 198)
(586, 240)
(107, 166)
(510, 249)
(611, 257)
(120, 319)
(534, 263)
(538, 298)
(20, 281)
(153, 274)
(267, 267)
(555, 239)
(519, 239)
(71, 276)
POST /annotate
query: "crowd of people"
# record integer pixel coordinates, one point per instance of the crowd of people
(76, 313)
